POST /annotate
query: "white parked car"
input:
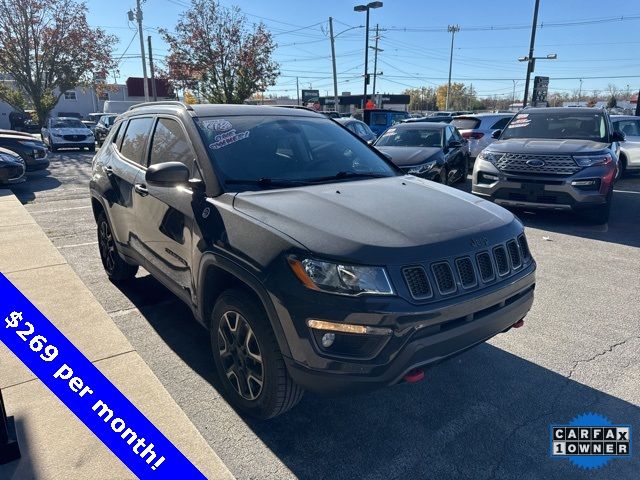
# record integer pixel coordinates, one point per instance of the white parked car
(629, 149)
(478, 128)
(67, 132)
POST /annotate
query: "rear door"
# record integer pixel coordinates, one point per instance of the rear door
(123, 168)
(165, 214)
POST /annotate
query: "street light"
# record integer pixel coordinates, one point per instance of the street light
(366, 8)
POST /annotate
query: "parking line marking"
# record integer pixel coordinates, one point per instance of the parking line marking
(62, 209)
(78, 244)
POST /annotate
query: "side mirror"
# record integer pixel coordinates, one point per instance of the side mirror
(167, 174)
(371, 142)
(617, 136)
(455, 144)
(496, 134)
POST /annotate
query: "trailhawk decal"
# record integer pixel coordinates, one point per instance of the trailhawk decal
(227, 138)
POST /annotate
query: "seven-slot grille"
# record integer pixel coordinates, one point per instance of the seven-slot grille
(542, 164)
(449, 277)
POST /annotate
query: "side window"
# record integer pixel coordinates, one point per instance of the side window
(117, 137)
(170, 144)
(352, 127)
(134, 141)
(448, 135)
(500, 124)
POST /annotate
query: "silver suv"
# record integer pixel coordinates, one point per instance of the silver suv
(477, 129)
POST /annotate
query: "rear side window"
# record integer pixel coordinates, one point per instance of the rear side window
(500, 124)
(170, 144)
(360, 129)
(134, 142)
(117, 137)
(466, 123)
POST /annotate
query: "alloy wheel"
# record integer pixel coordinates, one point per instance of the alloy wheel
(107, 247)
(240, 355)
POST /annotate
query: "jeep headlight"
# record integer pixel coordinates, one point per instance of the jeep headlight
(341, 279)
(421, 169)
(490, 156)
(592, 160)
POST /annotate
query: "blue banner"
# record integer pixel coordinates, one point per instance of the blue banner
(86, 391)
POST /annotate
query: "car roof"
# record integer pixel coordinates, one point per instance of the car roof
(421, 125)
(219, 110)
(348, 120)
(66, 118)
(562, 110)
(483, 115)
(624, 117)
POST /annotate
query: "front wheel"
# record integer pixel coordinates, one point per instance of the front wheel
(598, 215)
(247, 357)
(117, 269)
(622, 167)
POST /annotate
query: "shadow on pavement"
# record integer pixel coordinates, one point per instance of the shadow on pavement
(484, 414)
(23, 468)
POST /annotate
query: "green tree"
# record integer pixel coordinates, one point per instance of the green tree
(46, 48)
(421, 98)
(216, 52)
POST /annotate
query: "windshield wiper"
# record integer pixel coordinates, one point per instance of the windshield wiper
(265, 182)
(342, 175)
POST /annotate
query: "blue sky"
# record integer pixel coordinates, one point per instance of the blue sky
(601, 42)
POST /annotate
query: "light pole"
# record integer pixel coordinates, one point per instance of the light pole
(513, 97)
(451, 29)
(366, 8)
(580, 92)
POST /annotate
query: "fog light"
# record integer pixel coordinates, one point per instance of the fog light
(490, 177)
(328, 339)
(583, 183)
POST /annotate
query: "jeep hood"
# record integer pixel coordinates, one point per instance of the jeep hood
(394, 220)
(547, 146)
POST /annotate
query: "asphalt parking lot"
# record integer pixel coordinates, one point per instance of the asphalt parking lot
(482, 415)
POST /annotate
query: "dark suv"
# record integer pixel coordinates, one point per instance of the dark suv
(554, 159)
(311, 259)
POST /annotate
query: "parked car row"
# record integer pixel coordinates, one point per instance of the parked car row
(31, 152)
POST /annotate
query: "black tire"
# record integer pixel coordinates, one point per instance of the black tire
(92, 148)
(465, 171)
(622, 168)
(240, 332)
(117, 269)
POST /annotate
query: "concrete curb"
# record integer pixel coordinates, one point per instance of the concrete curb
(53, 442)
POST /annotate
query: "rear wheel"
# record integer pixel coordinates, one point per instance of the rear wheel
(117, 269)
(600, 214)
(464, 172)
(92, 148)
(247, 357)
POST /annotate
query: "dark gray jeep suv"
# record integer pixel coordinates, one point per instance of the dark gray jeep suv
(554, 159)
(312, 260)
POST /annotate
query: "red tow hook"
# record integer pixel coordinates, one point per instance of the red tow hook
(518, 324)
(414, 376)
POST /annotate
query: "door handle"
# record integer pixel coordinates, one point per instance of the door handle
(141, 189)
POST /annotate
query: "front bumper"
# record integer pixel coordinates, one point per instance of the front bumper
(420, 335)
(543, 191)
(62, 143)
(34, 159)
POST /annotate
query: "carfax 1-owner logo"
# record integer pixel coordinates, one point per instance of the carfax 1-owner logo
(591, 441)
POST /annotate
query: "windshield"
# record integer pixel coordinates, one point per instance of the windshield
(67, 123)
(581, 126)
(274, 150)
(411, 137)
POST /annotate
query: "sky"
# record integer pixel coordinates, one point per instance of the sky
(594, 40)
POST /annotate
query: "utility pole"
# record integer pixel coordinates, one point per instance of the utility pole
(513, 97)
(153, 75)
(451, 29)
(531, 63)
(333, 60)
(375, 61)
(580, 92)
(144, 58)
(298, 90)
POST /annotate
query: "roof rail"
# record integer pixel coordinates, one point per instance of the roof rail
(174, 103)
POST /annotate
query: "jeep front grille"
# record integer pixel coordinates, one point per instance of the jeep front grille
(537, 164)
(456, 276)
